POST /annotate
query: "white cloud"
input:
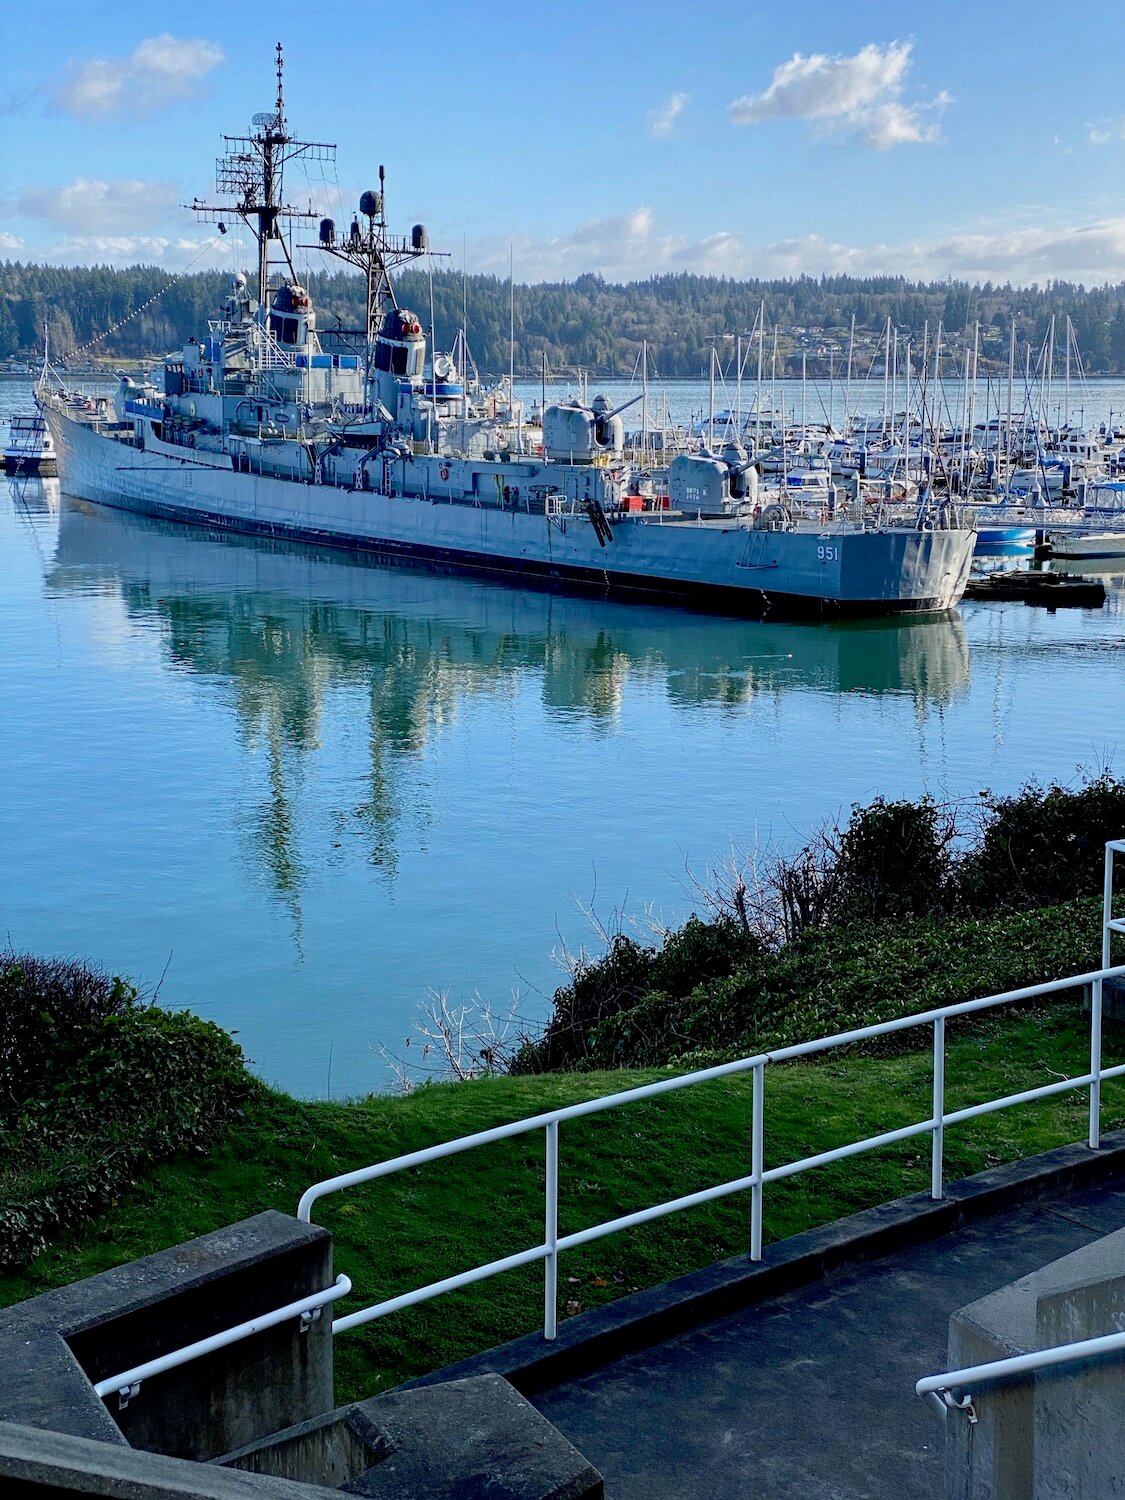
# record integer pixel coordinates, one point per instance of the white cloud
(159, 71)
(661, 121)
(1093, 253)
(96, 207)
(10, 242)
(142, 249)
(620, 248)
(1105, 131)
(633, 246)
(858, 96)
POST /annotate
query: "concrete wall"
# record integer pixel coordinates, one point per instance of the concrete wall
(1057, 1433)
(1080, 1412)
(53, 1347)
(38, 1465)
(331, 1450)
(259, 1411)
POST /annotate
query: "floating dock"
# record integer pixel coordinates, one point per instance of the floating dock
(1052, 590)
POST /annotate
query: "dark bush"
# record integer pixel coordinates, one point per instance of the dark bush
(624, 974)
(97, 1089)
(49, 1006)
(829, 982)
(1039, 847)
(599, 987)
(699, 951)
(878, 918)
(892, 861)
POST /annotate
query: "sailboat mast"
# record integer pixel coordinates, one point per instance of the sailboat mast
(939, 394)
(761, 352)
(711, 405)
(511, 323)
(894, 381)
(644, 400)
(738, 386)
(464, 328)
(1011, 377)
(965, 416)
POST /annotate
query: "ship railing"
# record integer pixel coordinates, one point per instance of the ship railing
(553, 1244)
(268, 352)
(556, 504)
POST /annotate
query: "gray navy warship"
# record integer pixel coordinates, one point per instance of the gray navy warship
(261, 426)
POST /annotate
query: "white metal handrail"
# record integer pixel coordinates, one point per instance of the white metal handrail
(553, 1243)
(940, 1388)
(307, 1308)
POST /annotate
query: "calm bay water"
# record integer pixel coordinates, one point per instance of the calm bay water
(312, 788)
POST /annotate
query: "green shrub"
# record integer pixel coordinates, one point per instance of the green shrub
(874, 920)
(1041, 847)
(599, 987)
(831, 981)
(49, 1007)
(699, 951)
(892, 861)
(147, 1084)
(626, 972)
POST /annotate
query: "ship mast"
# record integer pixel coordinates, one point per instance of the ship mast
(251, 171)
(374, 252)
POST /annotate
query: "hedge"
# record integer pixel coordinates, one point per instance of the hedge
(146, 1084)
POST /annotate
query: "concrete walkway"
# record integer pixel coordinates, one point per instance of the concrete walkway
(811, 1394)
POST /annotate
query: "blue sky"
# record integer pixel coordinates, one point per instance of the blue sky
(983, 141)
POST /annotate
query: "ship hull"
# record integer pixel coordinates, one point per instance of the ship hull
(42, 468)
(720, 567)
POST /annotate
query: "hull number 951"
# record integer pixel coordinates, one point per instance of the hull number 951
(828, 554)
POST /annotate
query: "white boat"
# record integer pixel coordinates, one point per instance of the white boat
(30, 449)
(1104, 503)
(724, 427)
(1087, 544)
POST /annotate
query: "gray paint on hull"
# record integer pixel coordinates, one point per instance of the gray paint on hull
(728, 569)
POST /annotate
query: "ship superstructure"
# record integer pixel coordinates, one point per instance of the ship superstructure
(260, 426)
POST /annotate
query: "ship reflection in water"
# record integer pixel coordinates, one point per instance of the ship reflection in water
(285, 624)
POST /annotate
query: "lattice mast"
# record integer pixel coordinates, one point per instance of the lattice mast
(252, 171)
(371, 250)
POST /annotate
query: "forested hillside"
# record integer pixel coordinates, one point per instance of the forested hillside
(588, 322)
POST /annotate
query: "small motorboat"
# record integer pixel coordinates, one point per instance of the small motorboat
(30, 447)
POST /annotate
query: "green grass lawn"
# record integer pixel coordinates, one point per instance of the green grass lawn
(422, 1225)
